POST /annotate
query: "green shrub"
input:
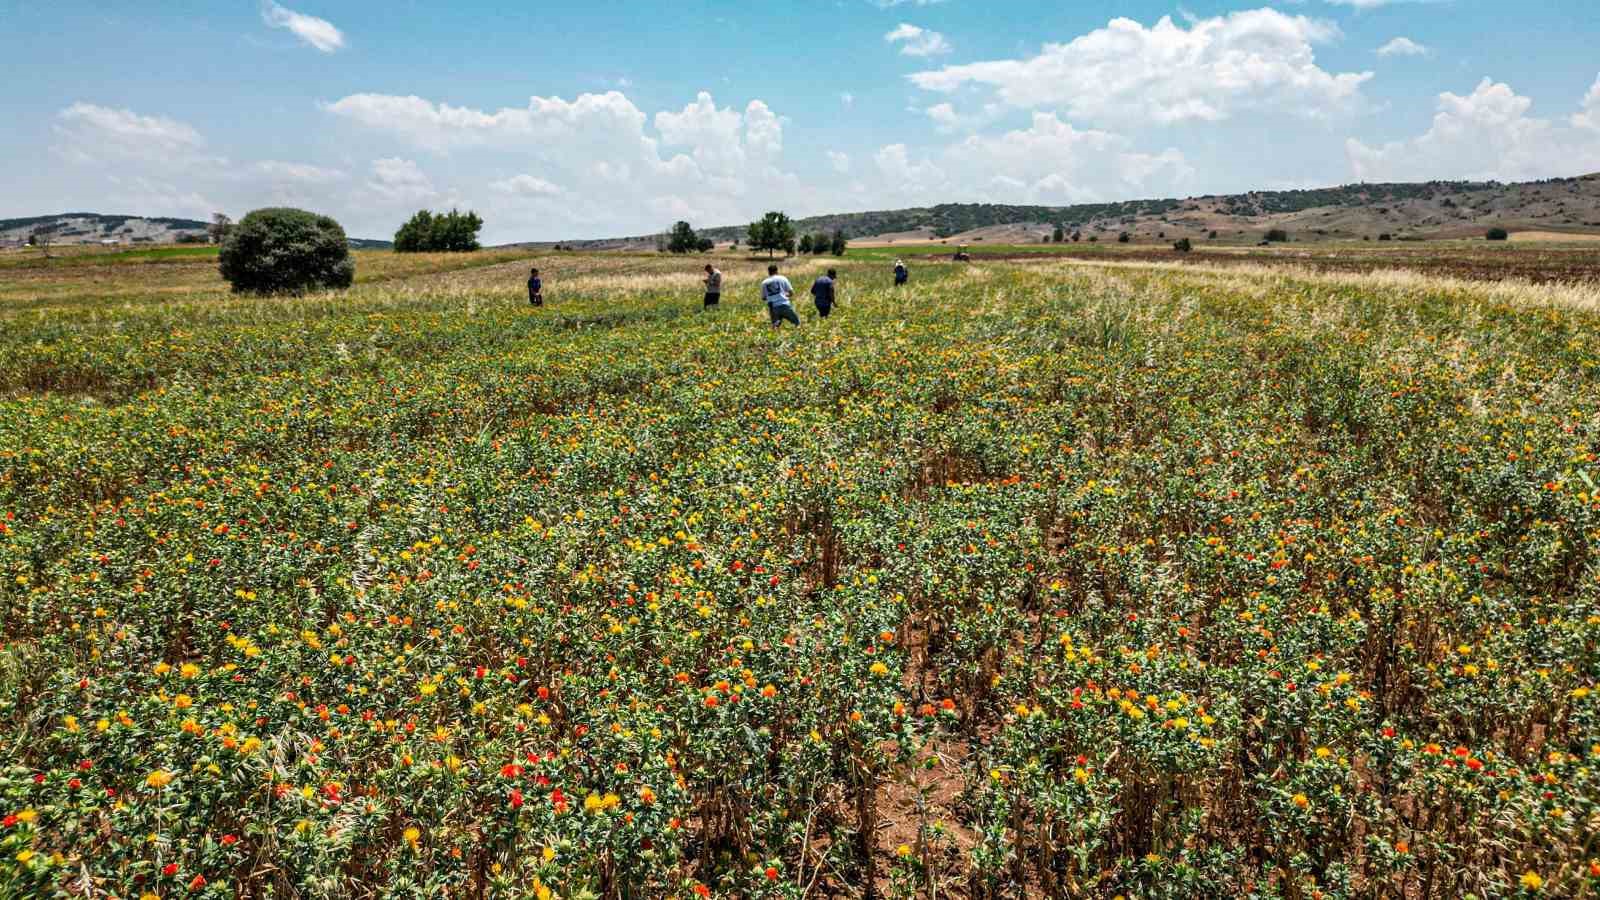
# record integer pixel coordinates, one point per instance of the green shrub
(281, 250)
(1498, 234)
(1182, 245)
(451, 232)
(1277, 236)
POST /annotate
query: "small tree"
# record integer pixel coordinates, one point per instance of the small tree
(705, 245)
(805, 244)
(1498, 234)
(838, 245)
(1077, 236)
(682, 239)
(773, 232)
(279, 250)
(1059, 234)
(1277, 236)
(219, 228)
(1182, 245)
(1123, 238)
(1212, 235)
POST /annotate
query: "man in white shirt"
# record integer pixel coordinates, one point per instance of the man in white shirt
(779, 294)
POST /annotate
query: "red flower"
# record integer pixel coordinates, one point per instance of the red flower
(169, 870)
(228, 840)
(544, 692)
(516, 798)
(772, 873)
(198, 883)
(702, 890)
(510, 770)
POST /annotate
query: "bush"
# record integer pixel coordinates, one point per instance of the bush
(1386, 236)
(1123, 238)
(1498, 234)
(1182, 245)
(280, 250)
(452, 232)
(1277, 236)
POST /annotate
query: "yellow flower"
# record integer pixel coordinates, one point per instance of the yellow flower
(549, 853)
(189, 670)
(27, 816)
(902, 851)
(158, 779)
(24, 856)
(1532, 881)
(162, 668)
(879, 668)
(1301, 801)
(412, 835)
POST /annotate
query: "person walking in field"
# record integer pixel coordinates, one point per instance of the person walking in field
(778, 293)
(901, 273)
(535, 289)
(825, 292)
(713, 286)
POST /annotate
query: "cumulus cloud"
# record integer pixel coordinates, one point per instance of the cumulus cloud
(89, 132)
(915, 41)
(1209, 71)
(1049, 162)
(839, 161)
(401, 181)
(1588, 115)
(1403, 46)
(312, 31)
(1485, 135)
(301, 173)
(525, 186)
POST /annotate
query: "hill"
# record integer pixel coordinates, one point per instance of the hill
(1424, 210)
(99, 228)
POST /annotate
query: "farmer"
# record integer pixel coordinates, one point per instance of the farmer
(535, 289)
(777, 291)
(824, 292)
(713, 286)
(901, 273)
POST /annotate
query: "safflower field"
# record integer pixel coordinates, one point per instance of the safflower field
(1033, 579)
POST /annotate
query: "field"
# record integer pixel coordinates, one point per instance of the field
(1119, 576)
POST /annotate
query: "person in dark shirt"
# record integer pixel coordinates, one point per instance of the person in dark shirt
(825, 292)
(901, 273)
(535, 289)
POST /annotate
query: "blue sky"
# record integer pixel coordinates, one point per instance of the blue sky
(607, 118)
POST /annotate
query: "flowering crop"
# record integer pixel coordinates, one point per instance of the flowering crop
(1047, 580)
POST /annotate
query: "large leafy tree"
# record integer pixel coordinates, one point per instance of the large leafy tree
(682, 239)
(454, 232)
(774, 232)
(273, 251)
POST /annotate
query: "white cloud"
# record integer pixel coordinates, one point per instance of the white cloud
(847, 98)
(915, 41)
(1588, 115)
(400, 180)
(441, 127)
(839, 161)
(314, 32)
(91, 132)
(302, 173)
(1209, 71)
(525, 186)
(1049, 162)
(1485, 135)
(1403, 46)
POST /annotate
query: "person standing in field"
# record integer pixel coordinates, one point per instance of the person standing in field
(777, 291)
(535, 289)
(825, 292)
(901, 273)
(713, 286)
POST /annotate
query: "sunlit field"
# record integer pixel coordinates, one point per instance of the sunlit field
(1043, 577)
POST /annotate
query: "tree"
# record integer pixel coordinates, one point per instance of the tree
(838, 245)
(1498, 234)
(1277, 236)
(772, 233)
(1123, 238)
(1182, 245)
(705, 245)
(219, 228)
(682, 239)
(1077, 236)
(1059, 234)
(279, 250)
(805, 244)
(430, 232)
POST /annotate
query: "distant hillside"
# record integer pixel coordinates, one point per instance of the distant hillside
(98, 228)
(1434, 209)
(94, 228)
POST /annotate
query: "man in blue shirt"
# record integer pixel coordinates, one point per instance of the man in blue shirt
(777, 291)
(824, 292)
(535, 289)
